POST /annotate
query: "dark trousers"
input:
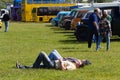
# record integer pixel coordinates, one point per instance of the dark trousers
(45, 61)
(90, 37)
(43, 58)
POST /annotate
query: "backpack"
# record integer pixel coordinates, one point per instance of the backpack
(6, 17)
(104, 26)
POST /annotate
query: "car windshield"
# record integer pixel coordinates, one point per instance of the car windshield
(60, 15)
(72, 14)
(81, 14)
(88, 14)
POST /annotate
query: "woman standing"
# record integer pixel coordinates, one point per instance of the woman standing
(105, 29)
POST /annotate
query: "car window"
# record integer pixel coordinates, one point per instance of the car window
(81, 14)
(88, 14)
(58, 16)
(72, 14)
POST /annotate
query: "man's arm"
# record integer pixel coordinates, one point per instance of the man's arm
(63, 67)
(96, 25)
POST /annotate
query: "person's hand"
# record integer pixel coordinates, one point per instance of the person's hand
(60, 60)
(63, 66)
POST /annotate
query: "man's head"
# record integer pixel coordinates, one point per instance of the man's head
(97, 11)
(84, 62)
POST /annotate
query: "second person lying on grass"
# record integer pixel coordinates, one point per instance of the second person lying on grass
(55, 61)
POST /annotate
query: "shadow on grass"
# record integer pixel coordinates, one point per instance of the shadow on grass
(71, 39)
(71, 36)
(114, 40)
(63, 32)
(72, 42)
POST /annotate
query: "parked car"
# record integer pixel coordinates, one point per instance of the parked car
(77, 18)
(55, 20)
(65, 22)
(81, 30)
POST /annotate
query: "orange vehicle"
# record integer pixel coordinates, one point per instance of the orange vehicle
(77, 18)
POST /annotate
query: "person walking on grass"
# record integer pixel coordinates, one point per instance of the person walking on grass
(93, 28)
(55, 61)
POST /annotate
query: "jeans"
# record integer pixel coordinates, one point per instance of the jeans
(107, 37)
(43, 57)
(48, 61)
(90, 38)
(45, 61)
(54, 55)
(6, 25)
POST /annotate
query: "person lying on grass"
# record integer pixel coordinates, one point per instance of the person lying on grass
(55, 61)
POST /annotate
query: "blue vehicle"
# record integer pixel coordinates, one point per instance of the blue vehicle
(55, 20)
(17, 2)
(45, 1)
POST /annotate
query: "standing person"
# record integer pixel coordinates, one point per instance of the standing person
(106, 15)
(6, 19)
(55, 61)
(93, 27)
(105, 29)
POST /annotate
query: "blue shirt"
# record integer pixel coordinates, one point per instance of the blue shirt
(92, 18)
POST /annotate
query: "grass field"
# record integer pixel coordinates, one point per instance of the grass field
(24, 41)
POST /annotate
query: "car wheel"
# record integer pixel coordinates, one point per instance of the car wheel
(67, 26)
(82, 34)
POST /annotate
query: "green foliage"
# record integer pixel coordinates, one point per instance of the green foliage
(3, 3)
(24, 41)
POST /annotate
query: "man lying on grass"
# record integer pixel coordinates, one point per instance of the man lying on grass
(56, 61)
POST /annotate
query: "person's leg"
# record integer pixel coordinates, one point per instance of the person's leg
(6, 26)
(54, 55)
(99, 41)
(90, 36)
(108, 41)
(18, 65)
(43, 57)
(97, 35)
(94, 39)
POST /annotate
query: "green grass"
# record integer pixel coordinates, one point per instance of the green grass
(24, 41)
